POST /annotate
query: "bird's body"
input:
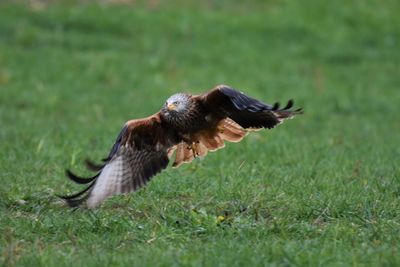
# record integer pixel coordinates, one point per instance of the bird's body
(188, 125)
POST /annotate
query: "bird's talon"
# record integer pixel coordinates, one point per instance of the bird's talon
(194, 149)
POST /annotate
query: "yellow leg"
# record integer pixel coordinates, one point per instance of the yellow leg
(194, 149)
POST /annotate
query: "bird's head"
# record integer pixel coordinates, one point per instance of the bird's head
(177, 104)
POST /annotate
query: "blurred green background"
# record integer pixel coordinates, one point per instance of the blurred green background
(322, 189)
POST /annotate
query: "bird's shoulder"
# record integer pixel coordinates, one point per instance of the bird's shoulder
(149, 121)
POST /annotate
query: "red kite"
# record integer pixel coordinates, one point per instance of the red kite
(189, 125)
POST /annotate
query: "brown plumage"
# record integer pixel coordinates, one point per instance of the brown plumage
(188, 125)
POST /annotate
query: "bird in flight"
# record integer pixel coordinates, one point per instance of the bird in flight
(189, 125)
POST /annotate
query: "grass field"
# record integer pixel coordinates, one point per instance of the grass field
(320, 190)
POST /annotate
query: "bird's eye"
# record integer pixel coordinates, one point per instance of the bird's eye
(176, 102)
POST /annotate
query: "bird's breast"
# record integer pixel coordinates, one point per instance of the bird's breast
(196, 119)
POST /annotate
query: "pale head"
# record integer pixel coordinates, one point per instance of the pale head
(177, 103)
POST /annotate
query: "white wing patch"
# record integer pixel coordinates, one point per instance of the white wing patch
(108, 183)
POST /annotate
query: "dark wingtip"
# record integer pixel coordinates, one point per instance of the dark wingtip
(93, 166)
(289, 104)
(299, 111)
(72, 200)
(73, 203)
(275, 106)
(79, 180)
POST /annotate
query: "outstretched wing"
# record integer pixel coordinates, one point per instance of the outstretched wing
(140, 152)
(231, 114)
(244, 110)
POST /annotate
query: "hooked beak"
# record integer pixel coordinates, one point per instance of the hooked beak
(171, 107)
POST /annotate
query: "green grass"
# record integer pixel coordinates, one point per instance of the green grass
(321, 190)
